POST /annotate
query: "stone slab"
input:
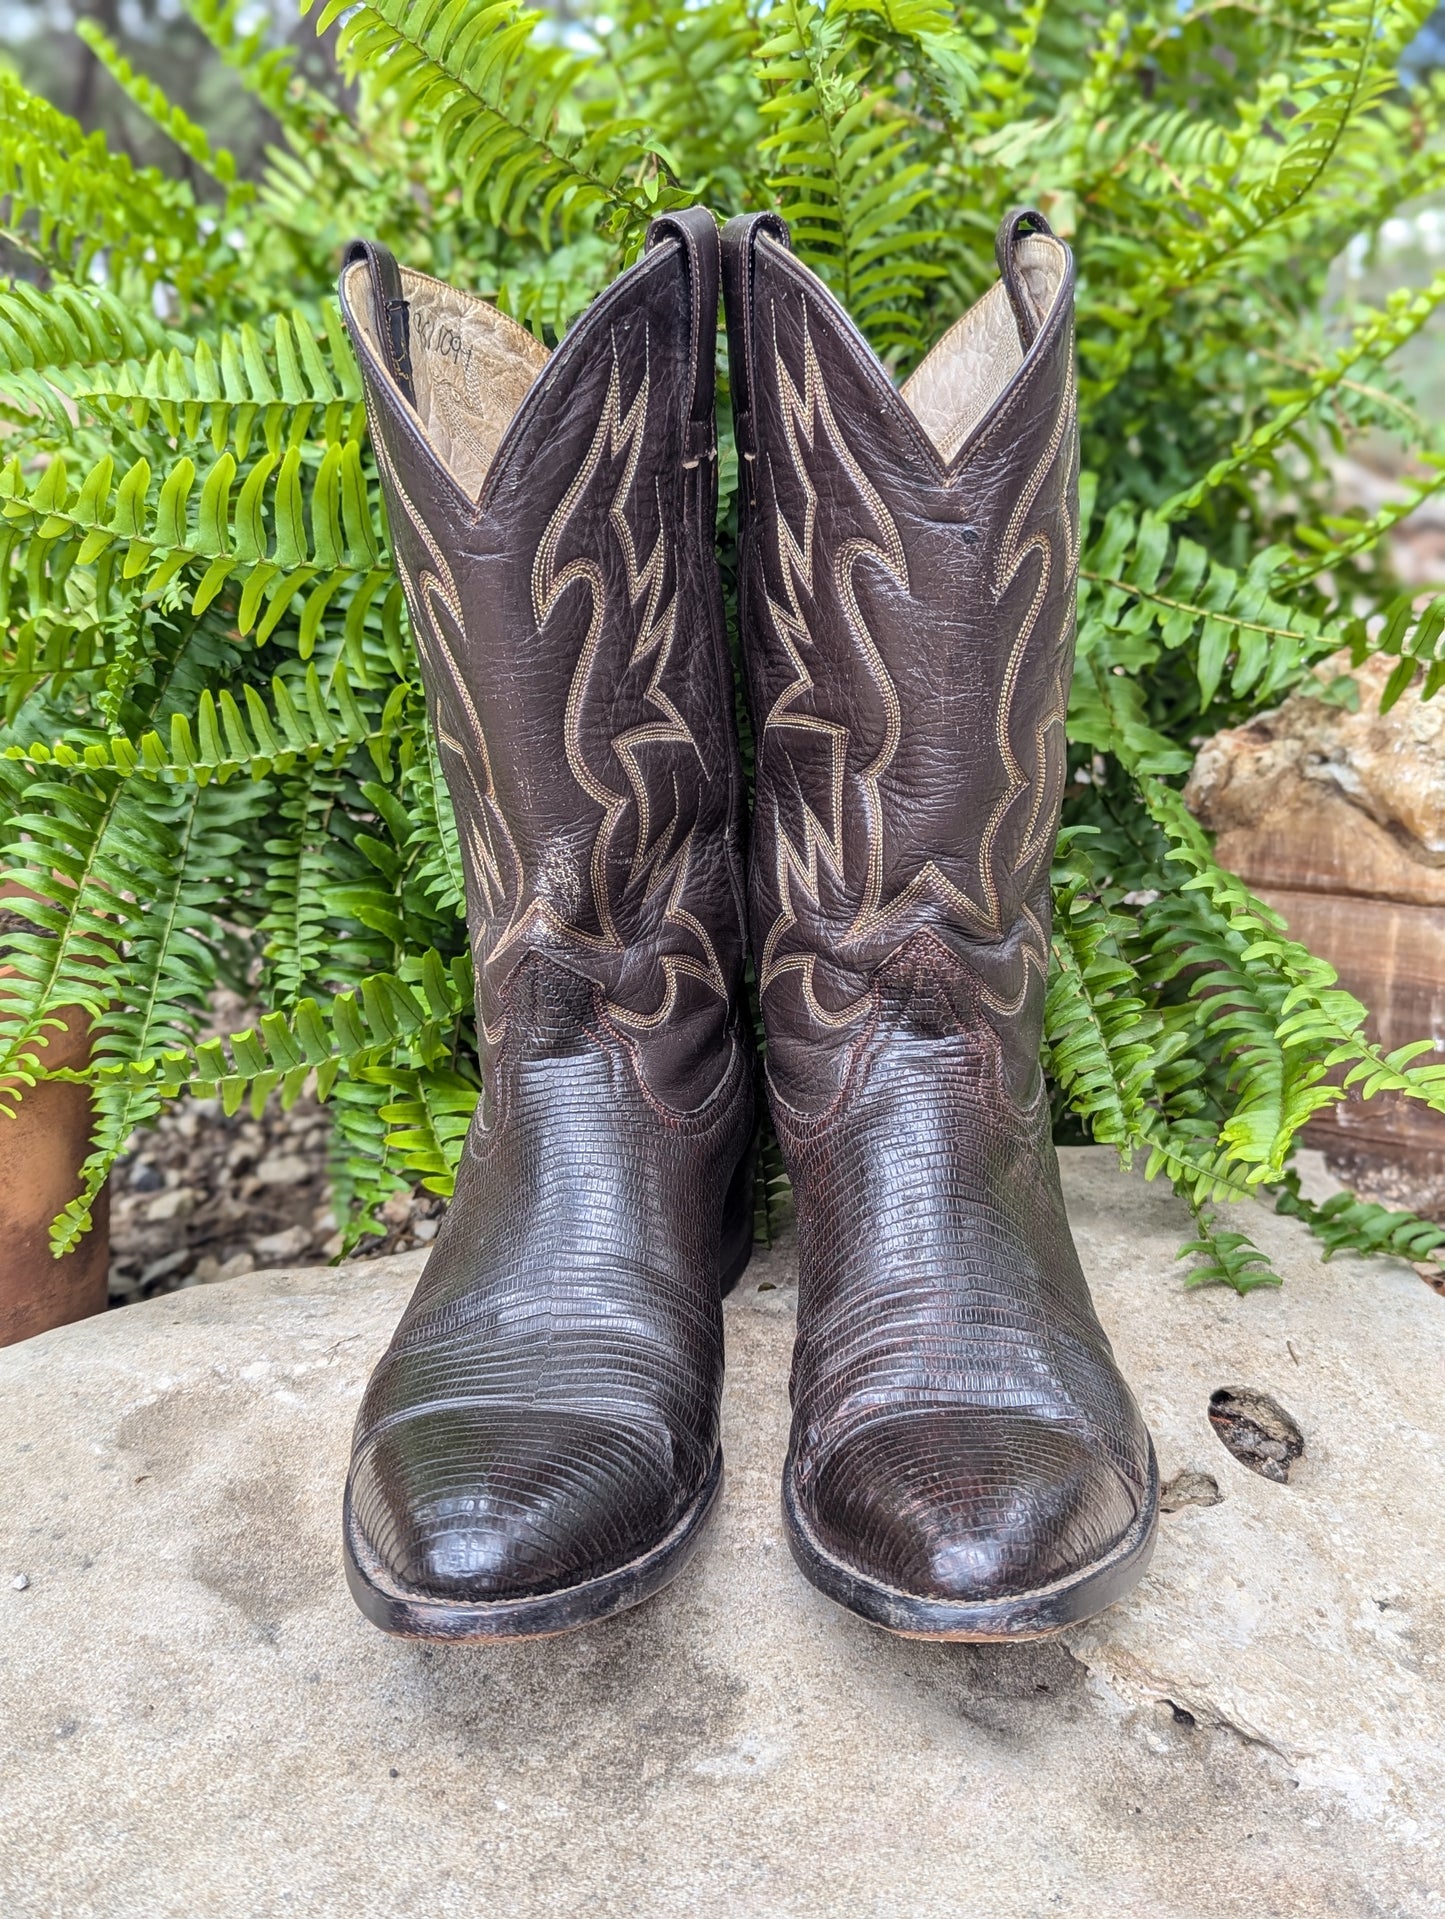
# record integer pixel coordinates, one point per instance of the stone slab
(194, 1720)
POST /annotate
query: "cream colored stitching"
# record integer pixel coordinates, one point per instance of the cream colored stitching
(664, 864)
(1033, 952)
(804, 413)
(654, 856)
(1011, 557)
(486, 829)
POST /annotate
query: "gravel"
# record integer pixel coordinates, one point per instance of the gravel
(1410, 1181)
(201, 1196)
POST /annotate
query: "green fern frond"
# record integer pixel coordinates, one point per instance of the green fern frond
(52, 339)
(1273, 1088)
(68, 329)
(1374, 338)
(685, 72)
(1144, 591)
(172, 121)
(283, 530)
(1339, 538)
(1414, 636)
(381, 1053)
(547, 296)
(1127, 1067)
(84, 211)
(162, 989)
(268, 73)
(304, 724)
(504, 108)
(1100, 1034)
(842, 168)
(352, 1030)
(1224, 1258)
(1317, 1017)
(1113, 147)
(1285, 139)
(1108, 711)
(435, 841)
(1006, 79)
(279, 381)
(428, 1124)
(1344, 1223)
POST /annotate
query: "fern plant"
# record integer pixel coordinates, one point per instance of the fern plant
(214, 758)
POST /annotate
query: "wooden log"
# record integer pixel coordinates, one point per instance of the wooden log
(1393, 958)
(1315, 798)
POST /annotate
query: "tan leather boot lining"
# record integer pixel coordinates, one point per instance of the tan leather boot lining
(471, 367)
(978, 356)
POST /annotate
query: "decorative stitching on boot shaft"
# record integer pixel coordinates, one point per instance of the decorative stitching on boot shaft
(604, 583)
(833, 807)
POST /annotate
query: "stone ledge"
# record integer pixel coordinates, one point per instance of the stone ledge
(196, 1722)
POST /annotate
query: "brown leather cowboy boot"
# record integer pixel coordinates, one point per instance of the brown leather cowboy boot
(539, 1446)
(966, 1461)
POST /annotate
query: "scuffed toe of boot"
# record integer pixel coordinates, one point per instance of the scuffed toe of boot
(951, 1525)
(496, 1504)
(500, 1523)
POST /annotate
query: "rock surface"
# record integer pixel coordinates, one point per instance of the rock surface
(1337, 820)
(1313, 797)
(194, 1721)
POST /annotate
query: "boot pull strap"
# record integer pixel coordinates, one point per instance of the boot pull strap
(739, 244)
(392, 321)
(1012, 228)
(697, 230)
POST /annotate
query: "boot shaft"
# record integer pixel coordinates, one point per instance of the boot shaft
(552, 518)
(907, 579)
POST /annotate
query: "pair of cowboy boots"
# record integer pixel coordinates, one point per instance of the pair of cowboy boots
(539, 1446)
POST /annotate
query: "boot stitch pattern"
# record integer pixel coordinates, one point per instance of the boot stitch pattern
(805, 410)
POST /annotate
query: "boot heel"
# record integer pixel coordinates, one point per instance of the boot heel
(739, 1221)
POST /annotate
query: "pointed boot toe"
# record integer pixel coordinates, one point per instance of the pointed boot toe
(483, 1522)
(962, 1526)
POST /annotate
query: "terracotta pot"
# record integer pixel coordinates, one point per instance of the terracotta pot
(41, 1151)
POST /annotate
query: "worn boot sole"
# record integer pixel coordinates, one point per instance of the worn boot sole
(1030, 1615)
(543, 1615)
